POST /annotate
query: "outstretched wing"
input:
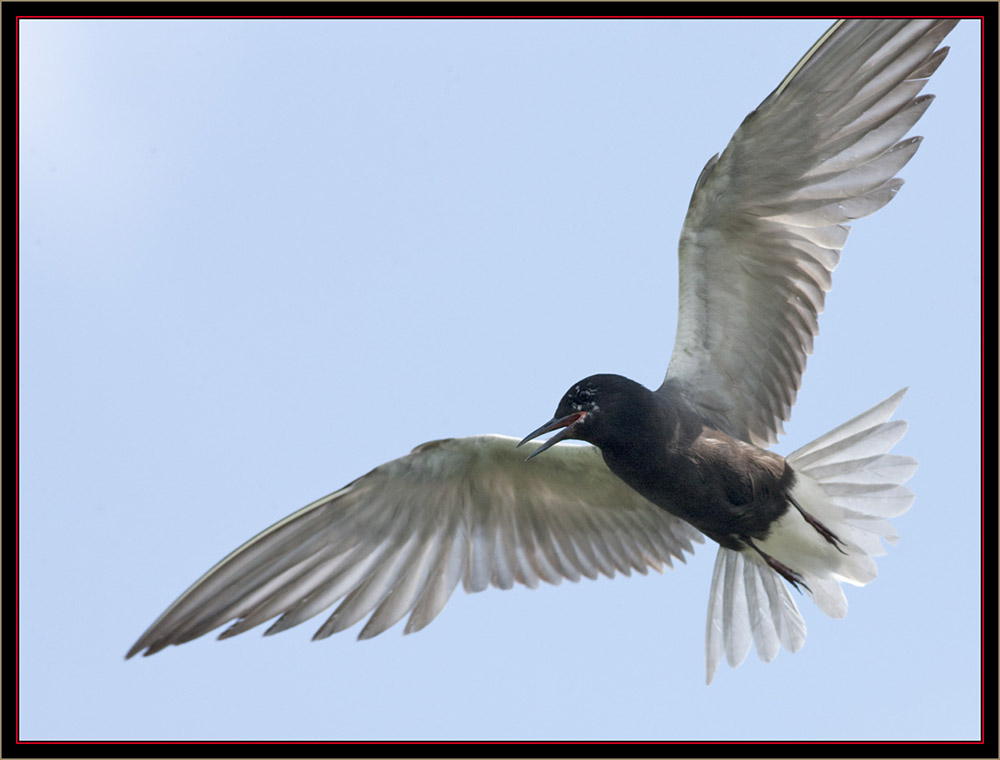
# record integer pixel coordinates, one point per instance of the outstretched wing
(766, 222)
(398, 540)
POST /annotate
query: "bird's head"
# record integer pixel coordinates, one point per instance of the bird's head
(590, 410)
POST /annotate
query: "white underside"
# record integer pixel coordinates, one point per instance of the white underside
(848, 481)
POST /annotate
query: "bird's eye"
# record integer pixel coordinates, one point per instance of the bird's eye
(584, 395)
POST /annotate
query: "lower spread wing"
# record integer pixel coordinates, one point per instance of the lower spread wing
(398, 540)
(766, 222)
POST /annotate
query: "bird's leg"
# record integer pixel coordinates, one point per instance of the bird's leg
(824, 531)
(781, 569)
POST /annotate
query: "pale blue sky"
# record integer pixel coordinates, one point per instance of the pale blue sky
(259, 258)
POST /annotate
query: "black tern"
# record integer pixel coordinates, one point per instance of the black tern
(764, 230)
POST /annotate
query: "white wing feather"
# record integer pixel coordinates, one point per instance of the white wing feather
(398, 541)
(767, 218)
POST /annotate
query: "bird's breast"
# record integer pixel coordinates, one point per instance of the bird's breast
(726, 488)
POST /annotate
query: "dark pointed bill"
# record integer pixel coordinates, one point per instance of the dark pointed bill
(566, 422)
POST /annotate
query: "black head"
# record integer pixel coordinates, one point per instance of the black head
(595, 407)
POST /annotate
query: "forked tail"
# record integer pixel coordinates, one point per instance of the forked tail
(848, 481)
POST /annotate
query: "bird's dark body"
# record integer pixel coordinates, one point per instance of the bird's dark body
(729, 489)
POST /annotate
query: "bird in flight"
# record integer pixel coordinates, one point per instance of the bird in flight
(664, 468)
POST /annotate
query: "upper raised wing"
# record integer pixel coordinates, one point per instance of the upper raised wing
(766, 221)
(399, 539)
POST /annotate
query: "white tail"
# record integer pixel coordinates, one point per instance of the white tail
(848, 481)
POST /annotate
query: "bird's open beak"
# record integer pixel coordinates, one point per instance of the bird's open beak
(566, 422)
